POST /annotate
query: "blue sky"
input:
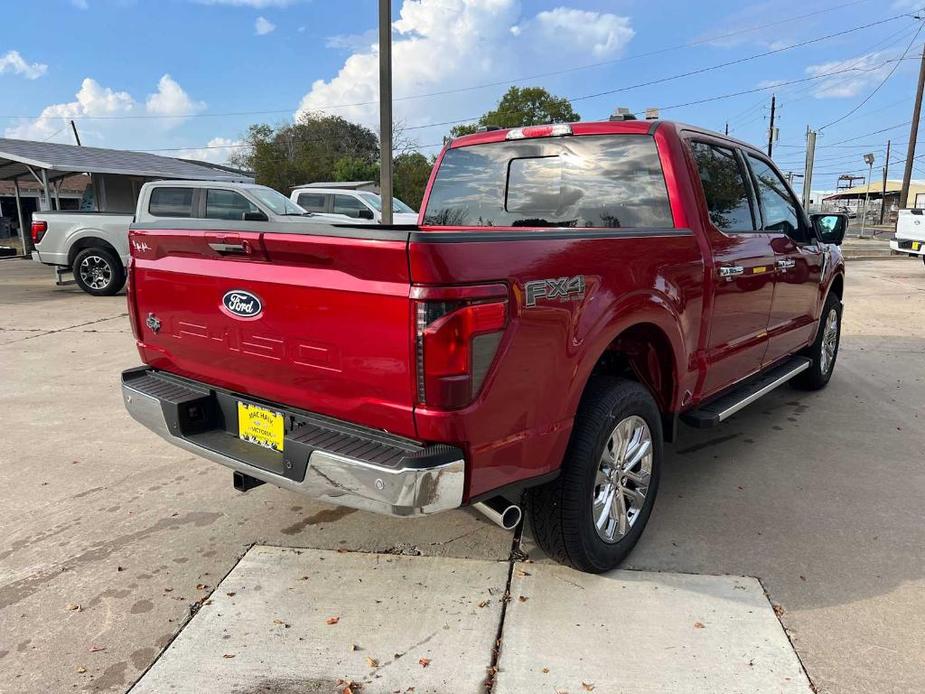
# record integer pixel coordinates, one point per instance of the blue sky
(193, 74)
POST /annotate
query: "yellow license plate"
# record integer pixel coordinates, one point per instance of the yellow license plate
(260, 426)
(916, 245)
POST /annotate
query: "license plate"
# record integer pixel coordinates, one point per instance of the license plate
(916, 245)
(260, 426)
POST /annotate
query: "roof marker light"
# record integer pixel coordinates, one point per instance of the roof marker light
(556, 130)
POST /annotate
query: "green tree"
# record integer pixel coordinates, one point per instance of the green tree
(306, 151)
(355, 169)
(410, 173)
(523, 106)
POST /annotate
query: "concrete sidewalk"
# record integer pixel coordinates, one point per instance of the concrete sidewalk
(319, 621)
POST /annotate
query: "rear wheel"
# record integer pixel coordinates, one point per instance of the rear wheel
(98, 271)
(592, 515)
(824, 351)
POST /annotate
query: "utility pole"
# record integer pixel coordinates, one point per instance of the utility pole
(913, 136)
(869, 160)
(808, 169)
(771, 129)
(886, 171)
(76, 136)
(385, 109)
(727, 127)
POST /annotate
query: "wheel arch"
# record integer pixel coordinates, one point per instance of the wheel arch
(90, 242)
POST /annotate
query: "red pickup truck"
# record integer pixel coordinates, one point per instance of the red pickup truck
(570, 293)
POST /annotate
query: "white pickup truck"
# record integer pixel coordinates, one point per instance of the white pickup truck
(910, 233)
(94, 245)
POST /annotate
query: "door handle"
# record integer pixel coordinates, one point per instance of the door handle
(786, 264)
(242, 247)
(731, 270)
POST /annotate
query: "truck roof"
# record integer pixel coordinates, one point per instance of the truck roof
(626, 127)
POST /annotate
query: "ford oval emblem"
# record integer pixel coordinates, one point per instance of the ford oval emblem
(242, 304)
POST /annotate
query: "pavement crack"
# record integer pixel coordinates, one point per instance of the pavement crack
(515, 556)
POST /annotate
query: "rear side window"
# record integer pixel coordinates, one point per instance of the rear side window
(723, 187)
(311, 202)
(226, 204)
(348, 205)
(603, 182)
(171, 202)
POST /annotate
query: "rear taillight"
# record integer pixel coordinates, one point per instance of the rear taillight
(456, 342)
(38, 231)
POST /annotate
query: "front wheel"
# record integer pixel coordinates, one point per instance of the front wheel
(98, 271)
(824, 350)
(592, 515)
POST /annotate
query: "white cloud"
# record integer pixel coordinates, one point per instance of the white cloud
(485, 38)
(606, 34)
(353, 42)
(101, 108)
(861, 72)
(81, 4)
(171, 100)
(218, 151)
(15, 63)
(263, 26)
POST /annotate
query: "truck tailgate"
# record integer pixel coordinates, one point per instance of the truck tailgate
(322, 323)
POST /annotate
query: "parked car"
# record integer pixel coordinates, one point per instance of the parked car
(351, 206)
(910, 233)
(573, 292)
(94, 245)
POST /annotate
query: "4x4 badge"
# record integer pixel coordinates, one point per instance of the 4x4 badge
(561, 288)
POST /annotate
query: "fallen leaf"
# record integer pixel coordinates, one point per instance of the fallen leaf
(522, 573)
(371, 662)
(73, 606)
(484, 603)
(228, 655)
(97, 649)
(523, 598)
(545, 670)
(332, 620)
(424, 662)
(119, 568)
(587, 686)
(231, 595)
(81, 669)
(699, 625)
(278, 621)
(778, 610)
(354, 647)
(201, 586)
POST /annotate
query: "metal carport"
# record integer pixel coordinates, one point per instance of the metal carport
(49, 162)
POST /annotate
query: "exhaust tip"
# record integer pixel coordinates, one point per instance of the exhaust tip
(500, 511)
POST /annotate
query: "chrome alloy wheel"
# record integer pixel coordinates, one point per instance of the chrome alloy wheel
(96, 272)
(829, 342)
(622, 482)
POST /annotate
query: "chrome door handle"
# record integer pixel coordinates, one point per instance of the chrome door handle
(786, 264)
(731, 270)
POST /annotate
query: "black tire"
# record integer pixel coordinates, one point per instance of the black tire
(820, 371)
(561, 512)
(98, 271)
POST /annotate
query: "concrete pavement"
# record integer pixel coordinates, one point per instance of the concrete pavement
(112, 538)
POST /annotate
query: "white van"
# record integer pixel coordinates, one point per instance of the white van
(356, 206)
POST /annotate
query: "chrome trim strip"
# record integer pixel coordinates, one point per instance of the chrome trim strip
(729, 411)
(329, 477)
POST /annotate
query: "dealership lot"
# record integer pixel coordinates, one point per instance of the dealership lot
(112, 538)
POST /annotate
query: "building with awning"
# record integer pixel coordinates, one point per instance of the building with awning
(52, 176)
(850, 197)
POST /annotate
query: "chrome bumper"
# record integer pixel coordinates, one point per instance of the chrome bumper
(329, 477)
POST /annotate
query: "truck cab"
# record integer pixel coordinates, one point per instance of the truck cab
(349, 205)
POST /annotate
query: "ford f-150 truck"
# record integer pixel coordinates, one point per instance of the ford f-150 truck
(569, 294)
(910, 233)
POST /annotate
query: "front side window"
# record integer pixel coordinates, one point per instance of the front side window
(311, 202)
(227, 204)
(348, 205)
(171, 202)
(276, 201)
(397, 205)
(724, 187)
(777, 205)
(599, 181)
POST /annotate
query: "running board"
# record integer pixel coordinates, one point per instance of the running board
(724, 407)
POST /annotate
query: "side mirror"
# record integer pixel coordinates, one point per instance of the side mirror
(366, 213)
(253, 217)
(830, 227)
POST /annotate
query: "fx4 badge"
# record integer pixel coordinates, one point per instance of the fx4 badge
(561, 288)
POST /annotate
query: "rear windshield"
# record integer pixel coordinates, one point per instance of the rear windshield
(601, 181)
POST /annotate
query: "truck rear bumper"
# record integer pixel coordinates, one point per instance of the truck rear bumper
(326, 459)
(909, 246)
